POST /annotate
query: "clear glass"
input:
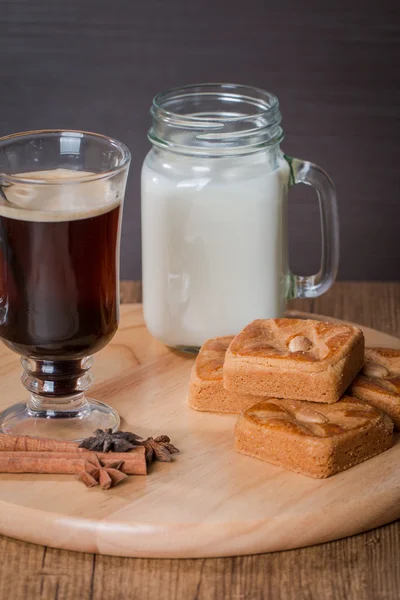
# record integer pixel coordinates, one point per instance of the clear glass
(214, 215)
(61, 197)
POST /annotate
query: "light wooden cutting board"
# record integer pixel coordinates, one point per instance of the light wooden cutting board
(211, 501)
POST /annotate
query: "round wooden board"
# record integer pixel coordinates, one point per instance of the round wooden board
(211, 501)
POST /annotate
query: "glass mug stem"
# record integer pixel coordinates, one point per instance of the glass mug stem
(57, 387)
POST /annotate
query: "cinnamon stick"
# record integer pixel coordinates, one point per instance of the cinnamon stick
(27, 443)
(134, 462)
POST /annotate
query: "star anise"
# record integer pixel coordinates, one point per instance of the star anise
(107, 441)
(107, 476)
(159, 448)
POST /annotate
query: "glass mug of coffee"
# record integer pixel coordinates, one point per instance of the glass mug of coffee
(61, 196)
(214, 215)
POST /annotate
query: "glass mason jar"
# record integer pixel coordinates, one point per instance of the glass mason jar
(214, 215)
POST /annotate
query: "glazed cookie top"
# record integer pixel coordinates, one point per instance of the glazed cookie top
(381, 371)
(295, 417)
(210, 360)
(299, 342)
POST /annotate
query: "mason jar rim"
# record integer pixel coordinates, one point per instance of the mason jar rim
(215, 119)
(13, 177)
(267, 102)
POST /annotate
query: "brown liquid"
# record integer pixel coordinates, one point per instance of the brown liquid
(59, 285)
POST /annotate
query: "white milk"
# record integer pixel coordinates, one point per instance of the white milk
(214, 245)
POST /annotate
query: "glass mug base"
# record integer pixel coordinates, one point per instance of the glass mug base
(67, 423)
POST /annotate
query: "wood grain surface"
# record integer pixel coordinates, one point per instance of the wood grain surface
(360, 567)
(96, 65)
(211, 501)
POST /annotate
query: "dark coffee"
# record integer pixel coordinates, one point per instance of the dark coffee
(59, 284)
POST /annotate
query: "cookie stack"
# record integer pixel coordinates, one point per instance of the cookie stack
(286, 378)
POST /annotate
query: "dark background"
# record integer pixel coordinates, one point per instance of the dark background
(96, 64)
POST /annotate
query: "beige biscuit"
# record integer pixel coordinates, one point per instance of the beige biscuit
(294, 358)
(206, 391)
(379, 381)
(315, 440)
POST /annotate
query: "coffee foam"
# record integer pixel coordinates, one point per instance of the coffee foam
(62, 200)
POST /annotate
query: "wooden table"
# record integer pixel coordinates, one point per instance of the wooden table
(363, 567)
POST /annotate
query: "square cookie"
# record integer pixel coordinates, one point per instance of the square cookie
(294, 358)
(379, 381)
(206, 390)
(315, 440)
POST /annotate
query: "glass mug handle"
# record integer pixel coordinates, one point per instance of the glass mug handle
(314, 285)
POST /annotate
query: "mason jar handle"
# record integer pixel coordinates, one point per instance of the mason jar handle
(314, 285)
